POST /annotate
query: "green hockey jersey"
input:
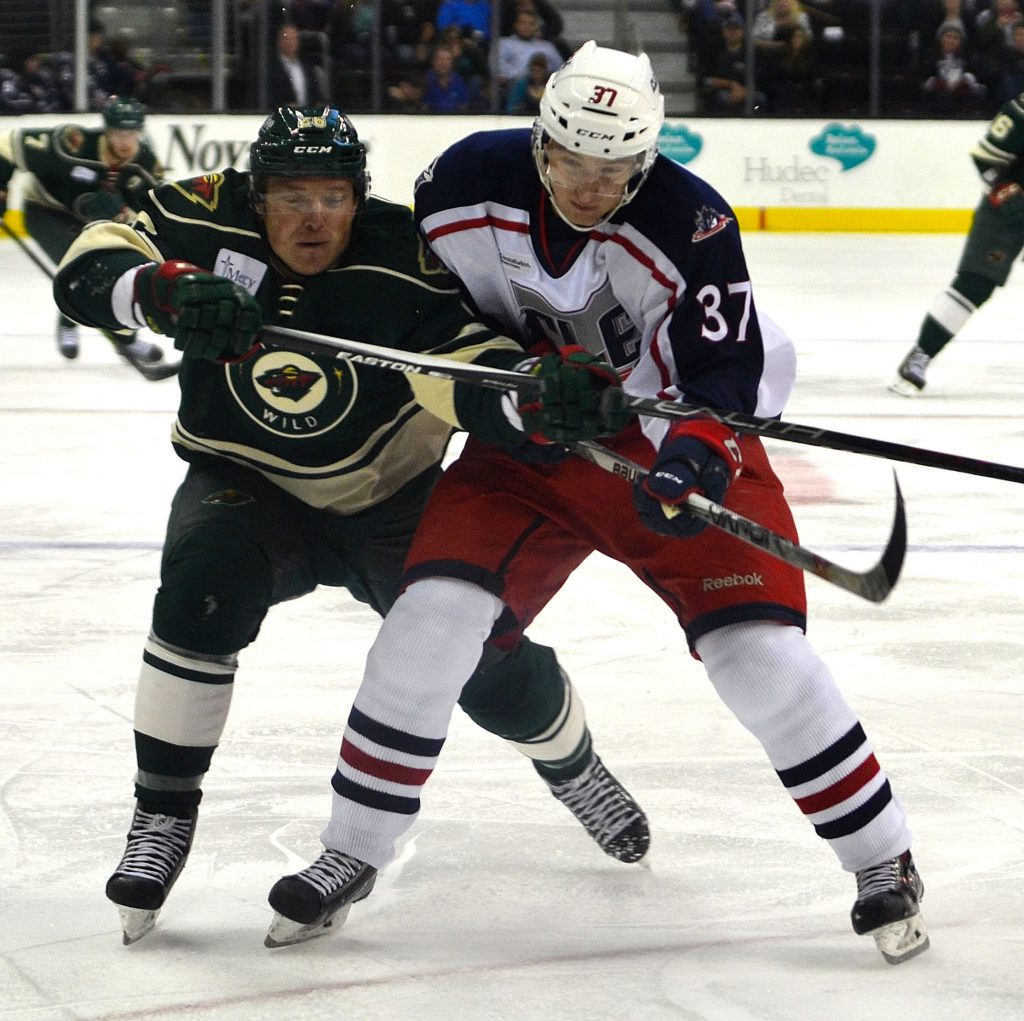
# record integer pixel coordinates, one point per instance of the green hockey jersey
(69, 163)
(999, 156)
(336, 435)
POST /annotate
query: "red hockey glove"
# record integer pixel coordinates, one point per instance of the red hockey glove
(581, 398)
(208, 316)
(1008, 200)
(697, 456)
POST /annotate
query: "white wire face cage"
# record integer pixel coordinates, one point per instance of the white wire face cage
(602, 103)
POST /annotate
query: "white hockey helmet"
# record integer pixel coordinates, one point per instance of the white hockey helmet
(602, 103)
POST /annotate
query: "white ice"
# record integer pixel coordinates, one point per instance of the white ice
(499, 906)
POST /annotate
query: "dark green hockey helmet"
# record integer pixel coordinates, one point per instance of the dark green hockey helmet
(121, 113)
(307, 141)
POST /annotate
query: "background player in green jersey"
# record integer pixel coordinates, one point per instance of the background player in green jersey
(74, 176)
(304, 471)
(993, 244)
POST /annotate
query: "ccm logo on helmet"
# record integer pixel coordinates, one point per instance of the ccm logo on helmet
(601, 136)
(313, 149)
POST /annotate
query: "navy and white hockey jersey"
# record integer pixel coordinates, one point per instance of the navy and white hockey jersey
(661, 290)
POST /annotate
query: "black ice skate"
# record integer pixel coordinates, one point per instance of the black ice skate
(887, 907)
(157, 850)
(910, 376)
(310, 902)
(607, 812)
(142, 350)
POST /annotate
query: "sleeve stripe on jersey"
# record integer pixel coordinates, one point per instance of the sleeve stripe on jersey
(476, 224)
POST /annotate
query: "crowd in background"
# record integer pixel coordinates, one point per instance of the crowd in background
(938, 58)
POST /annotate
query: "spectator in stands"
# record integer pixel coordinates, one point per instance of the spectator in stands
(291, 80)
(773, 26)
(408, 31)
(525, 92)
(444, 88)
(796, 89)
(994, 35)
(29, 86)
(724, 87)
(1011, 81)
(552, 23)
(470, 61)
(472, 16)
(515, 50)
(706, 19)
(951, 88)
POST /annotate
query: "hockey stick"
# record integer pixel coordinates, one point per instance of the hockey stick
(416, 363)
(148, 370)
(874, 584)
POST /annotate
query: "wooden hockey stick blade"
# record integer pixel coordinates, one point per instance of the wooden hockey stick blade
(415, 362)
(874, 584)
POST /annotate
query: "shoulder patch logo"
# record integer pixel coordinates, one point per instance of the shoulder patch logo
(709, 221)
(204, 191)
(244, 270)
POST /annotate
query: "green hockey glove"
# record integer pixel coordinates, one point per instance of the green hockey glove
(581, 398)
(97, 205)
(208, 316)
(1008, 200)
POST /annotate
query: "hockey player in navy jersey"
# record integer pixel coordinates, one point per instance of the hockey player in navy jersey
(580, 240)
(302, 471)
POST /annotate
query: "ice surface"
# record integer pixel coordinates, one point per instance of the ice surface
(499, 906)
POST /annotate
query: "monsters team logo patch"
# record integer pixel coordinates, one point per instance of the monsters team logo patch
(291, 395)
(709, 221)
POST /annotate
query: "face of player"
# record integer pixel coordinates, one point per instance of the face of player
(123, 144)
(587, 189)
(309, 220)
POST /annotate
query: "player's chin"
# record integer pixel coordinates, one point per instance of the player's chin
(309, 258)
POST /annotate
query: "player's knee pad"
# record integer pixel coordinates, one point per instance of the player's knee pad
(974, 287)
(517, 695)
(216, 587)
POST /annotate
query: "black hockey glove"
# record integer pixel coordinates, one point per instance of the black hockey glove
(697, 456)
(581, 398)
(208, 316)
(1008, 200)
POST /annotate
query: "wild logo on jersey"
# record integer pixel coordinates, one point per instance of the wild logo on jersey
(291, 395)
(204, 191)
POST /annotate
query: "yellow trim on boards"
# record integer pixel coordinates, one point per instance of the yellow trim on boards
(790, 219)
(868, 221)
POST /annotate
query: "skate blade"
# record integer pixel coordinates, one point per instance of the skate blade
(135, 923)
(283, 932)
(900, 941)
(904, 388)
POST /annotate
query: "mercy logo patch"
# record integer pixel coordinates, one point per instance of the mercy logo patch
(241, 269)
(290, 394)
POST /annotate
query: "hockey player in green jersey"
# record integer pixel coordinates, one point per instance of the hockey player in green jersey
(74, 176)
(304, 471)
(994, 241)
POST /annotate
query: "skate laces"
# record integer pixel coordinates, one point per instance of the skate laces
(156, 845)
(886, 877)
(331, 871)
(599, 803)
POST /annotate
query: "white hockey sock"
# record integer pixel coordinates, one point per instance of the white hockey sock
(426, 650)
(780, 690)
(951, 310)
(183, 699)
